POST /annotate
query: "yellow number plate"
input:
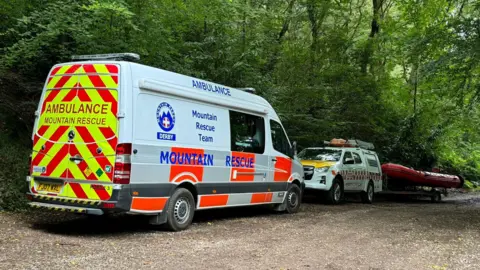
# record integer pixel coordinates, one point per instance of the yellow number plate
(54, 188)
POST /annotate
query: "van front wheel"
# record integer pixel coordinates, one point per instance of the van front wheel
(294, 198)
(181, 207)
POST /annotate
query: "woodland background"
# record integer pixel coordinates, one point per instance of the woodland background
(403, 74)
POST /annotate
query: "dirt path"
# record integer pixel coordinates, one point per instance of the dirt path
(386, 235)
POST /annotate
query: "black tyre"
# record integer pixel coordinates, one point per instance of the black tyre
(181, 207)
(335, 194)
(367, 196)
(436, 197)
(293, 199)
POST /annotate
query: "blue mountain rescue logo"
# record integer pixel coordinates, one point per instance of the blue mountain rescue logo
(166, 121)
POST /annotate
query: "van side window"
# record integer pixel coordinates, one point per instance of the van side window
(279, 138)
(372, 161)
(357, 158)
(348, 159)
(247, 133)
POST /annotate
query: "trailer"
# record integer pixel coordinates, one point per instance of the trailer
(398, 180)
(391, 189)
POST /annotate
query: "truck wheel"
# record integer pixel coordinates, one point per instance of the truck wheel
(335, 194)
(367, 197)
(436, 197)
(181, 207)
(294, 199)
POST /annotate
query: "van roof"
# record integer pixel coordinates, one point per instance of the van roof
(140, 71)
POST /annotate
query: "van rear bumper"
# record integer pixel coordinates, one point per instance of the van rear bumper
(119, 202)
(66, 208)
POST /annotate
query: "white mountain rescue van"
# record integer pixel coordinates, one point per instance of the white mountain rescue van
(342, 166)
(116, 136)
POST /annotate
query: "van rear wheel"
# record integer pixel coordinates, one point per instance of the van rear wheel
(181, 207)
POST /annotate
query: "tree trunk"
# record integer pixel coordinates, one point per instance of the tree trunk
(286, 23)
(244, 28)
(374, 30)
(312, 16)
(316, 18)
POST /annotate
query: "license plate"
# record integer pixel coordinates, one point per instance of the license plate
(54, 188)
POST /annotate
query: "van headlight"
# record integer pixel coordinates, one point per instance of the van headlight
(322, 169)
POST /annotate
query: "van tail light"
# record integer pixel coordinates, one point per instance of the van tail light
(108, 205)
(123, 166)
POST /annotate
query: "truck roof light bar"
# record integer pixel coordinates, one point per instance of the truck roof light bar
(109, 56)
(350, 143)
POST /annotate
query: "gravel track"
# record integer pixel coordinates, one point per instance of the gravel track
(385, 235)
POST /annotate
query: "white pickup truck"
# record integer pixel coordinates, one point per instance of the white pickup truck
(342, 167)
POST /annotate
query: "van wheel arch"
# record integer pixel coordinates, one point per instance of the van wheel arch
(302, 188)
(297, 182)
(190, 187)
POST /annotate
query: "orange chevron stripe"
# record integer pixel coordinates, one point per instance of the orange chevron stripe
(48, 144)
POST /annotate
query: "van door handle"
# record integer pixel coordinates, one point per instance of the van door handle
(274, 159)
(76, 159)
(250, 173)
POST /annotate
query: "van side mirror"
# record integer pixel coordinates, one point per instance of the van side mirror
(294, 148)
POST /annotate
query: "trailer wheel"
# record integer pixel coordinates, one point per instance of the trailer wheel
(436, 197)
(335, 194)
(181, 207)
(367, 197)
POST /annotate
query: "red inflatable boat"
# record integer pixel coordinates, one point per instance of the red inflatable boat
(410, 177)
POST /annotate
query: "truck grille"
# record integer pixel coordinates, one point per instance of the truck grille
(308, 171)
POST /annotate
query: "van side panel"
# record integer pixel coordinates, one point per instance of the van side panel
(76, 132)
(183, 141)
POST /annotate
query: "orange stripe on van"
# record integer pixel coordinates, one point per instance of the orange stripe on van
(213, 200)
(268, 197)
(179, 172)
(148, 204)
(240, 168)
(258, 198)
(283, 169)
(261, 197)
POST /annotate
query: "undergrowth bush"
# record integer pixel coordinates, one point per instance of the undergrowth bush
(13, 170)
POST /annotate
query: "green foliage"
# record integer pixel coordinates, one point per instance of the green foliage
(14, 168)
(404, 74)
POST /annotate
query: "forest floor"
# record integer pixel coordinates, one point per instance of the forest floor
(385, 235)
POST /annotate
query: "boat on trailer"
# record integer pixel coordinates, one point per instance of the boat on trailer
(401, 180)
(408, 176)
